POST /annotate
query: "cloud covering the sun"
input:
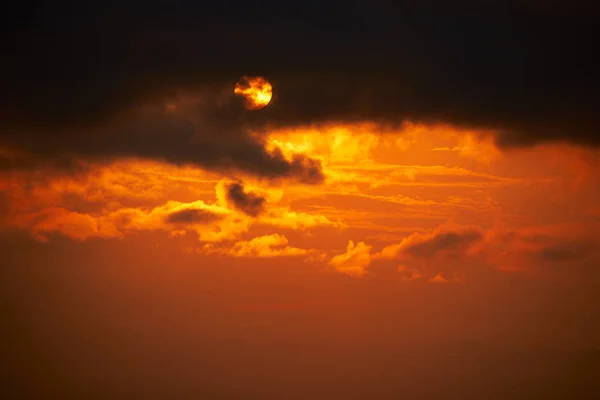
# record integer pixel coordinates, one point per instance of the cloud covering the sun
(521, 75)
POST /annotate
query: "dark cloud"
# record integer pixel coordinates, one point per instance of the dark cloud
(192, 216)
(443, 242)
(71, 75)
(566, 252)
(209, 133)
(247, 202)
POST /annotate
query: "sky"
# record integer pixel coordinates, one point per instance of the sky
(413, 214)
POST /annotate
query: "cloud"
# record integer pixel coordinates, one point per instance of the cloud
(247, 202)
(192, 216)
(267, 246)
(442, 242)
(211, 223)
(553, 250)
(448, 240)
(354, 261)
(74, 225)
(193, 135)
(439, 256)
(438, 279)
(527, 74)
(561, 253)
(115, 200)
(285, 218)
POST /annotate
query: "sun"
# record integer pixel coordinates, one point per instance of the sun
(256, 90)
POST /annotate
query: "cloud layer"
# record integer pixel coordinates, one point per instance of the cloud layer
(526, 72)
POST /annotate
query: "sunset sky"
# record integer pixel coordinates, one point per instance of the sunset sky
(414, 214)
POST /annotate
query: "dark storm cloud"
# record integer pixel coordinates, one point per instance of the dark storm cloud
(192, 216)
(71, 75)
(247, 202)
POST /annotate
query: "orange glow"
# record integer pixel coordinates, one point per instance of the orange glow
(422, 200)
(256, 91)
(416, 236)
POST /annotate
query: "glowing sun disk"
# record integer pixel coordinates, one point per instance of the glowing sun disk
(256, 90)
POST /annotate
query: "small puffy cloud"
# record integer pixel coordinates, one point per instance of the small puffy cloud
(438, 278)
(247, 202)
(77, 226)
(354, 261)
(192, 216)
(285, 218)
(408, 274)
(449, 241)
(442, 242)
(267, 246)
(437, 257)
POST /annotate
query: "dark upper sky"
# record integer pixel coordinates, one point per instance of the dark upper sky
(526, 69)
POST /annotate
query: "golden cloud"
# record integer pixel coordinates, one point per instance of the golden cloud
(109, 201)
(267, 246)
(388, 188)
(354, 261)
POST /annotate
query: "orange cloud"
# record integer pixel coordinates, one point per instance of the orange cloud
(211, 222)
(354, 261)
(450, 252)
(74, 225)
(274, 245)
(438, 278)
(534, 248)
(389, 188)
(216, 223)
(447, 240)
(408, 274)
(115, 199)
